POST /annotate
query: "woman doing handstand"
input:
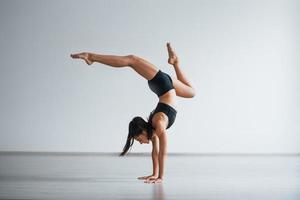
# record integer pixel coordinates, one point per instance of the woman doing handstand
(163, 116)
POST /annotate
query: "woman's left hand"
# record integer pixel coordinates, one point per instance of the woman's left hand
(157, 180)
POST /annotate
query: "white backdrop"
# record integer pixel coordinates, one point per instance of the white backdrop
(241, 56)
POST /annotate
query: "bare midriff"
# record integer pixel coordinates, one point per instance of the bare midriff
(169, 98)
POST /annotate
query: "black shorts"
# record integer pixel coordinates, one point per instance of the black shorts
(161, 83)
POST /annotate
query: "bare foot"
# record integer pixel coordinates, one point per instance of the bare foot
(85, 56)
(173, 59)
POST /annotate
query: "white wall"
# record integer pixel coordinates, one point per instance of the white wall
(241, 56)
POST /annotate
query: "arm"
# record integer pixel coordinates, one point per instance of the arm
(160, 127)
(155, 150)
(162, 152)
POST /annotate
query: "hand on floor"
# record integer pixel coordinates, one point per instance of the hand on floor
(156, 180)
(147, 177)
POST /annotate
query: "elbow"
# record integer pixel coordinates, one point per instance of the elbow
(154, 153)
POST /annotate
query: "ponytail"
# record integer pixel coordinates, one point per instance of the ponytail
(128, 144)
(136, 126)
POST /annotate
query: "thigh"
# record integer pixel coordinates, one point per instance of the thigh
(143, 67)
(182, 90)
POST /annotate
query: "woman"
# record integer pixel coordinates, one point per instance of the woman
(163, 116)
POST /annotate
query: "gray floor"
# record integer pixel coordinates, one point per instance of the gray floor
(27, 176)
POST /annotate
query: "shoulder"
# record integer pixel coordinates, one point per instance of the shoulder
(159, 120)
(160, 124)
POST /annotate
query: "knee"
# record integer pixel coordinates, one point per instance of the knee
(132, 59)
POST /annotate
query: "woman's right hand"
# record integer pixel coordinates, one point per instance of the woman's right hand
(148, 178)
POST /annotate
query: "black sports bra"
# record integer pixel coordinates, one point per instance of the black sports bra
(165, 108)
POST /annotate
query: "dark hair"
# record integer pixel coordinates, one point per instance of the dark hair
(136, 126)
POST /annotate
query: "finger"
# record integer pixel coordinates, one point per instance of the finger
(148, 181)
(147, 177)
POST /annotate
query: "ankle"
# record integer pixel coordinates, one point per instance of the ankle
(176, 64)
(91, 57)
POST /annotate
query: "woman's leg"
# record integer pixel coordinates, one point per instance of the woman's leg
(140, 65)
(182, 86)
